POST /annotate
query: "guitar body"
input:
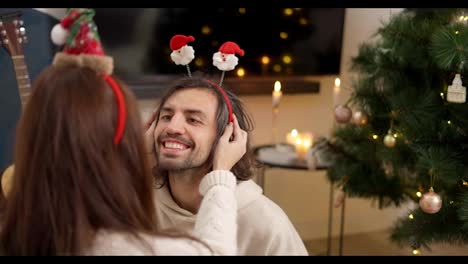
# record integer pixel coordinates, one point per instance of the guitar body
(37, 54)
(7, 179)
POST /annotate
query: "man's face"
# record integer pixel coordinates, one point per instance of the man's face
(186, 129)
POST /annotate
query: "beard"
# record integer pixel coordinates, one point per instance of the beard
(174, 164)
(186, 55)
(178, 163)
(228, 65)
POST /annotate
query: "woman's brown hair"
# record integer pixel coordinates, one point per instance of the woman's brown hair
(70, 180)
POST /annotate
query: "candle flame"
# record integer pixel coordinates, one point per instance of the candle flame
(277, 86)
(298, 141)
(294, 132)
(337, 82)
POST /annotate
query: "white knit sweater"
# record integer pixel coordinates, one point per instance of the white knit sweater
(215, 225)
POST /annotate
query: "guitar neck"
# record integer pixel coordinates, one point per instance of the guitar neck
(22, 78)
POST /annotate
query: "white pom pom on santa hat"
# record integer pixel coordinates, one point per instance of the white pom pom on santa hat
(59, 34)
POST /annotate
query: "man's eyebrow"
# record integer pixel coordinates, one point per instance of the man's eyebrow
(186, 111)
(196, 112)
(167, 109)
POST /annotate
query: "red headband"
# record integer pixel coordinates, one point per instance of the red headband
(120, 106)
(226, 99)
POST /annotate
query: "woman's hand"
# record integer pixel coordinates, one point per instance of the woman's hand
(231, 147)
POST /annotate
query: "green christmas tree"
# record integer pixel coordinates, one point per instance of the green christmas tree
(407, 138)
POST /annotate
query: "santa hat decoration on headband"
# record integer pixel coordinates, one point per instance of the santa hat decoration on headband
(83, 48)
(182, 54)
(61, 31)
(225, 59)
(83, 42)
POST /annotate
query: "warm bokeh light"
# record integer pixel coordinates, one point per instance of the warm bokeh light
(287, 59)
(284, 35)
(205, 30)
(199, 62)
(240, 72)
(303, 21)
(277, 68)
(265, 60)
(288, 11)
(298, 141)
(242, 11)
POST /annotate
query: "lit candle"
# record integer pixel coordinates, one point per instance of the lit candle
(277, 94)
(303, 143)
(291, 137)
(336, 91)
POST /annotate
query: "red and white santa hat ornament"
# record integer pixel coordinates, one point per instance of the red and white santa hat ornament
(182, 53)
(225, 59)
(82, 48)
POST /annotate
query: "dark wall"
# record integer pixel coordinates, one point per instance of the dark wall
(38, 54)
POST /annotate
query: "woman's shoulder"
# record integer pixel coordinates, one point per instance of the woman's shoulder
(119, 243)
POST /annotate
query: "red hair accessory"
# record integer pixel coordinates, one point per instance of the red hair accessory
(83, 48)
(226, 99)
(120, 106)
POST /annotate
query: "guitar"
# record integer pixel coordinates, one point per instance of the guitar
(12, 39)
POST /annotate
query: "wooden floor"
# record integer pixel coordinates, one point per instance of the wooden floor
(378, 244)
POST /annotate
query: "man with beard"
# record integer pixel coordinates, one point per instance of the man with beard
(187, 125)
